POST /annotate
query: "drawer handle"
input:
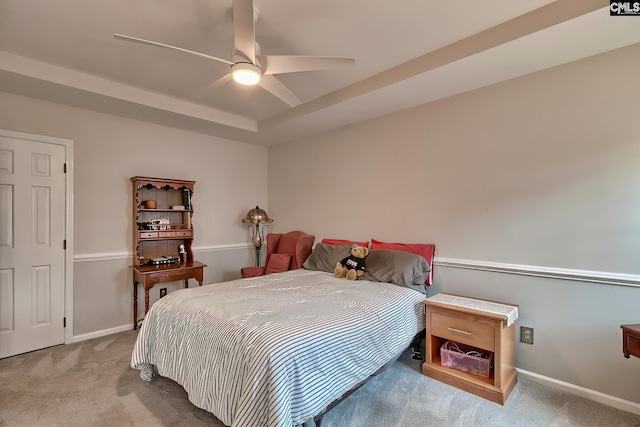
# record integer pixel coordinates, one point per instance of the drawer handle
(459, 331)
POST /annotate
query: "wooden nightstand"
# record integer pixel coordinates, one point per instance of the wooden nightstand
(630, 340)
(486, 325)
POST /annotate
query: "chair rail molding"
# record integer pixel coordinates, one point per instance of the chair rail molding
(107, 256)
(602, 277)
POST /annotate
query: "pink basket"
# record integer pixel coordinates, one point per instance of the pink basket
(466, 358)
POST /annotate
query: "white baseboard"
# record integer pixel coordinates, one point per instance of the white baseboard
(102, 333)
(586, 393)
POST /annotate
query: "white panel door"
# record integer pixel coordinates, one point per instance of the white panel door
(32, 258)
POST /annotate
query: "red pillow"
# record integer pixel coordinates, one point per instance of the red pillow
(427, 251)
(344, 242)
(278, 263)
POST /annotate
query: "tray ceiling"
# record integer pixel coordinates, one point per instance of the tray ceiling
(407, 53)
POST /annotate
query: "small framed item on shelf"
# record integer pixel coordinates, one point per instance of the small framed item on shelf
(160, 224)
(167, 259)
(186, 198)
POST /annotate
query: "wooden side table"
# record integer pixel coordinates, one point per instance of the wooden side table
(630, 340)
(485, 325)
(150, 275)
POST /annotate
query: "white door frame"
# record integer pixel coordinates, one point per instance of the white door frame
(68, 255)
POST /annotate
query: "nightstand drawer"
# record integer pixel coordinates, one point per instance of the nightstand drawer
(634, 345)
(464, 331)
(630, 340)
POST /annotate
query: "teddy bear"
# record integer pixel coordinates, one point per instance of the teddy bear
(352, 266)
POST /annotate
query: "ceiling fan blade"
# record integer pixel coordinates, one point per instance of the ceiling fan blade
(244, 29)
(273, 85)
(208, 88)
(166, 46)
(279, 64)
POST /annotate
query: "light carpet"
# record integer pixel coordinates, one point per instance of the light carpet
(91, 384)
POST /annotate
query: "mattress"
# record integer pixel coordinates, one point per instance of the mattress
(275, 350)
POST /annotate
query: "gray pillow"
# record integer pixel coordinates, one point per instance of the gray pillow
(398, 267)
(324, 257)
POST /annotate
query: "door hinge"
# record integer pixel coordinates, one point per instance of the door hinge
(64, 168)
(64, 322)
(64, 244)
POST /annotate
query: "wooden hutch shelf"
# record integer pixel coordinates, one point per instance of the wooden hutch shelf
(161, 232)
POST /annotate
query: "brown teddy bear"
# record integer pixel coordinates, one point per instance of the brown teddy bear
(352, 266)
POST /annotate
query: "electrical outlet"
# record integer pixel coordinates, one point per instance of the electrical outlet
(526, 334)
(163, 292)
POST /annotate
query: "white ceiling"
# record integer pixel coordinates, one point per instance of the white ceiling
(408, 52)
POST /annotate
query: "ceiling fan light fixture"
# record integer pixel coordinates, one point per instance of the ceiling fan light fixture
(246, 73)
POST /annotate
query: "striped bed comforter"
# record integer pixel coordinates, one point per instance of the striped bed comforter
(275, 350)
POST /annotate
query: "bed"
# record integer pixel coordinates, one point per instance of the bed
(278, 350)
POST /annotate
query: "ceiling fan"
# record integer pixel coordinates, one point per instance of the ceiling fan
(248, 65)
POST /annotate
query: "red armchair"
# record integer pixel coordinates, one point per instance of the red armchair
(296, 244)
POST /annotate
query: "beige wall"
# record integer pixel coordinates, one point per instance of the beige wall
(108, 150)
(541, 171)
